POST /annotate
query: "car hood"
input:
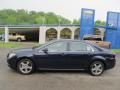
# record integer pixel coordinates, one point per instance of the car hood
(23, 50)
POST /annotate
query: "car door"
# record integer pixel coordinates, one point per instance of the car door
(54, 57)
(79, 55)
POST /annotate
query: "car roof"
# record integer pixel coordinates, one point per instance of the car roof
(70, 40)
(66, 40)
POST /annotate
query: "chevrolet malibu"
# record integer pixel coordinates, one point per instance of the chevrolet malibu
(62, 55)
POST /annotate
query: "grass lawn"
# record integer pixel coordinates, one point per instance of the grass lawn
(116, 50)
(17, 44)
(10, 44)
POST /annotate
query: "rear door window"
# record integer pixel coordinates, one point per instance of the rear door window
(57, 46)
(79, 46)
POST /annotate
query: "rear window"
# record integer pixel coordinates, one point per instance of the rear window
(90, 38)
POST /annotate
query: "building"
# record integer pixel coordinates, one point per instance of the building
(43, 33)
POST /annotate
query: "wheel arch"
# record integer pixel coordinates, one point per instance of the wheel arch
(98, 58)
(19, 38)
(26, 58)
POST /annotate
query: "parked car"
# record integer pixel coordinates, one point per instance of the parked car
(62, 55)
(17, 37)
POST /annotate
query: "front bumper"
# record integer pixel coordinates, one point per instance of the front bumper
(12, 62)
(110, 63)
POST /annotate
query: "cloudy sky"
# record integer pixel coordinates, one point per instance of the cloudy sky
(68, 8)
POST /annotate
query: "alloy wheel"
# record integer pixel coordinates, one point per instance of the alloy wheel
(25, 66)
(97, 68)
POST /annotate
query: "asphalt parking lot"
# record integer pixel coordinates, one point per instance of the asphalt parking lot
(48, 80)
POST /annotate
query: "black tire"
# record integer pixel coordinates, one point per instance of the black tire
(19, 39)
(98, 70)
(30, 66)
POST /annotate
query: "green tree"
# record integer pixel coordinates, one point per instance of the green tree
(75, 21)
(99, 23)
(21, 16)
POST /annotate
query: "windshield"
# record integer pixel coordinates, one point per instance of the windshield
(37, 46)
(40, 45)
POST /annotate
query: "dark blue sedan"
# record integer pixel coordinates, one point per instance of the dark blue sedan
(62, 55)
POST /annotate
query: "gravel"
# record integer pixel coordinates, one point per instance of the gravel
(48, 80)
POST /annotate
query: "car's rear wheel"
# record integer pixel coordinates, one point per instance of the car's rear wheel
(19, 39)
(25, 66)
(96, 68)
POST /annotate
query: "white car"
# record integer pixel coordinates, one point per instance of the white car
(17, 37)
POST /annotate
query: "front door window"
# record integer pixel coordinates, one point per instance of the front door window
(58, 46)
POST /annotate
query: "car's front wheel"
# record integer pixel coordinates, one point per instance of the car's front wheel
(25, 66)
(96, 68)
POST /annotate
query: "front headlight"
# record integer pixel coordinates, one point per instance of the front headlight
(11, 55)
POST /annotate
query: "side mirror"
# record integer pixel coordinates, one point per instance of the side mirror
(45, 50)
